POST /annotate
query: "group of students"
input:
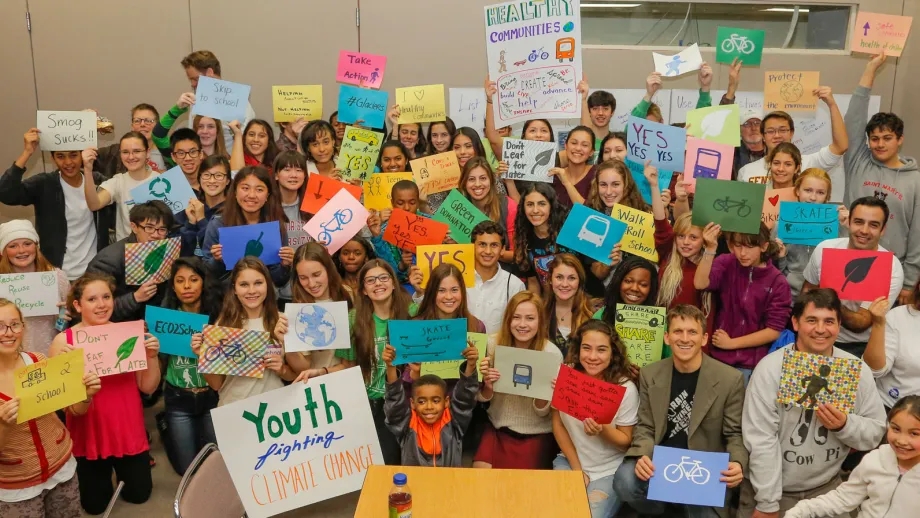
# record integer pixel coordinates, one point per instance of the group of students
(736, 303)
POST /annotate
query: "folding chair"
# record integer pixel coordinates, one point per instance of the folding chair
(206, 489)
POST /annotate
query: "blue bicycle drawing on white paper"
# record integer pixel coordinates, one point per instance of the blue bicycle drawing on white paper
(340, 218)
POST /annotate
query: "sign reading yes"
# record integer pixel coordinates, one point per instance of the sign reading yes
(661, 144)
(431, 256)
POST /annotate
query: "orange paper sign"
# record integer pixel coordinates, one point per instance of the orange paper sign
(790, 91)
(436, 173)
(321, 189)
(876, 32)
(407, 230)
(771, 204)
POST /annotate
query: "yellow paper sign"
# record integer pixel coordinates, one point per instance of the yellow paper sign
(450, 369)
(429, 257)
(421, 104)
(790, 91)
(293, 102)
(379, 188)
(50, 385)
(436, 173)
(876, 32)
(639, 238)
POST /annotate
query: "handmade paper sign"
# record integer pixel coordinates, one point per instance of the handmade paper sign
(378, 189)
(525, 372)
(807, 223)
(730, 204)
(362, 104)
(220, 99)
(707, 159)
(746, 45)
(427, 340)
(359, 68)
(406, 230)
(719, 124)
(771, 202)
(316, 327)
(234, 352)
(66, 130)
(687, 60)
(467, 107)
(112, 348)
(436, 173)
(460, 215)
(582, 396)
(861, 275)
(528, 160)
(875, 32)
(428, 257)
(300, 444)
(174, 329)
(790, 91)
(35, 294)
(150, 260)
(262, 240)
(688, 477)
(534, 56)
(421, 104)
(320, 189)
(810, 380)
(358, 153)
(639, 238)
(642, 330)
(661, 144)
(294, 102)
(637, 171)
(450, 369)
(591, 233)
(171, 187)
(338, 221)
(49, 385)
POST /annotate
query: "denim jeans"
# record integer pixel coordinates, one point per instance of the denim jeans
(189, 426)
(602, 500)
(633, 491)
(746, 374)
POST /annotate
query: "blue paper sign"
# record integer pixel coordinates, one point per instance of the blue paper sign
(806, 223)
(688, 477)
(662, 144)
(362, 104)
(262, 240)
(591, 233)
(222, 100)
(638, 173)
(171, 187)
(427, 340)
(174, 329)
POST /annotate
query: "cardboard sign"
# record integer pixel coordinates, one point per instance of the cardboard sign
(378, 189)
(730, 204)
(294, 102)
(436, 173)
(262, 240)
(358, 153)
(771, 202)
(685, 61)
(49, 385)
(460, 215)
(582, 396)
(337, 222)
(861, 275)
(591, 233)
(688, 477)
(171, 187)
(807, 223)
(791, 91)
(528, 160)
(746, 45)
(320, 189)
(637, 171)
(35, 294)
(220, 99)
(525, 372)
(174, 329)
(663, 145)
(299, 444)
(66, 130)
(234, 352)
(639, 238)
(316, 327)
(361, 104)
(421, 104)
(642, 330)
(361, 69)
(875, 32)
(450, 369)
(152, 260)
(468, 108)
(810, 380)
(429, 257)
(112, 348)
(427, 340)
(406, 230)
(707, 159)
(719, 124)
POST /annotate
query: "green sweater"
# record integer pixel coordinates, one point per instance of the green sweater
(160, 135)
(641, 109)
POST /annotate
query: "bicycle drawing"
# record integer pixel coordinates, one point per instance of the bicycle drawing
(233, 352)
(688, 469)
(339, 218)
(726, 204)
(538, 54)
(736, 43)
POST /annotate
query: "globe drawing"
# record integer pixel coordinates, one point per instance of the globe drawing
(315, 326)
(791, 91)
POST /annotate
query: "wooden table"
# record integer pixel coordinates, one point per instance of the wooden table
(466, 492)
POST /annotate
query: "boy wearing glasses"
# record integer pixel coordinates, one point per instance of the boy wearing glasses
(185, 150)
(144, 118)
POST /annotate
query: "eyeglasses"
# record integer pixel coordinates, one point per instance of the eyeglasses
(190, 153)
(143, 121)
(383, 279)
(213, 176)
(133, 152)
(753, 124)
(150, 229)
(15, 326)
(777, 131)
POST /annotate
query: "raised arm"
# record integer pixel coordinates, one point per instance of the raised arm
(652, 85)
(237, 154)
(734, 79)
(875, 355)
(583, 90)
(705, 79)
(95, 199)
(710, 243)
(840, 142)
(495, 140)
(13, 191)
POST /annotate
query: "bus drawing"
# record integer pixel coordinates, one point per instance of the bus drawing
(707, 163)
(565, 48)
(522, 374)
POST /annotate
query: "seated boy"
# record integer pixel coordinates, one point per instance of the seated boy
(429, 433)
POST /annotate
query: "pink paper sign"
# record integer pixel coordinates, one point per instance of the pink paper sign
(338, 221)
(706, 159)
(582, 396)
(876, 32)
(112, 348)
(358, 68)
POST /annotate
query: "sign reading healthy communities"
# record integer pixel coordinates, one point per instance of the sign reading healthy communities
(534, 53)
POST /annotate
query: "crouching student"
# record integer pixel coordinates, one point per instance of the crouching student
(430, 430)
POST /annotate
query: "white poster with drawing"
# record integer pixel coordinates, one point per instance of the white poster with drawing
(316, 327)
(528, 160)
(525, 372)
(685, 61)
(467, 107)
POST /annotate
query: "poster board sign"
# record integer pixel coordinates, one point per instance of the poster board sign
(321, 189)
(66, 130)
(294, 102)
(688, 477)
(639, 238)
(362, 104)
(809, 380)
(35, 294)
(49, 385)
(421, 104)
(220, 99)
(171, 187)
(358, 153)
(861, 275)
(707, 159)
(460, 215)
(427, 340)
(262, 240)
(112, 348)
(174, 329)
(875, 32)
(745, 45)
(429, 257)
(685, 61)
(661, 144)
(450, 369)
(582, 396)
(234, 352)
(807, 223)
(771, 203)
(528, 160)
(525, 372)
(406, 230)
(730, 204)
(316, 327)
(791, 91)
(150, 260)
(436, 173)
(642, 330)
(591, 233)
(378, 189)
(337, 222)
(360, 69)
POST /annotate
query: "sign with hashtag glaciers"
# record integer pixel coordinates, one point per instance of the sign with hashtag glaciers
(362, 104)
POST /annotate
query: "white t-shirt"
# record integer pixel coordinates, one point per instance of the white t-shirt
(598, 457)
(155, 160)
(813, 276)
(901, 374)
(119, 187)
(487, 299)
(80, 247)
(758, 172)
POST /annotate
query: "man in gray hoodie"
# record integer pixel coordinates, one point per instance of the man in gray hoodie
(796, 453)
(878, 170)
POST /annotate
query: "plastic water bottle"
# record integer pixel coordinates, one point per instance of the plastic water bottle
(400, 498)
(61, 322)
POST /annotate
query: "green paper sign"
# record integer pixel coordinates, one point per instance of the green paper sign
(450, 369)
(642, 330)
(719, 124)
(737, 206)
(460, 215)
(744, 44)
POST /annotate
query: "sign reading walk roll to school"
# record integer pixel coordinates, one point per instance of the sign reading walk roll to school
(299, 444)
(534, 53)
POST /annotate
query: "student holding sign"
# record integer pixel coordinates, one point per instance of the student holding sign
(408, 133)
(350, 259)
(393, 158)
(484, 190)
(404, 195)
(573, 182)
(567, 305)
(205, 63)
(439, 136)
(635, 282)
(259, 143)
(290, 174)
(318, 143)
(613, 146)
(214, 178)
(784, 162)
(109, 161)
(468, 146)
(535, 231)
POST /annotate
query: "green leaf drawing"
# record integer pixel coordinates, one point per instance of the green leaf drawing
(155, 259)
(254, 247)
(857, 270)
(125, 349)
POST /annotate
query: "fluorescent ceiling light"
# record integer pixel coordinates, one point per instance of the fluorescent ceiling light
(610, 5)
(783, 10)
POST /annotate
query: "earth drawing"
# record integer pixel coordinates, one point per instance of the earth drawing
(315, 326)
(792, 91)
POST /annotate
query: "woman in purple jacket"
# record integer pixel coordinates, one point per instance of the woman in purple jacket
(755, 298)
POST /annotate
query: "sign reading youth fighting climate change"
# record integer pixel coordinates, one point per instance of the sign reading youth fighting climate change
(534, 52)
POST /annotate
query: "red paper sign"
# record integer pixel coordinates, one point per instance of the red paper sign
(862, 275)
(582, 396)
(407, 230)
(321, 189)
